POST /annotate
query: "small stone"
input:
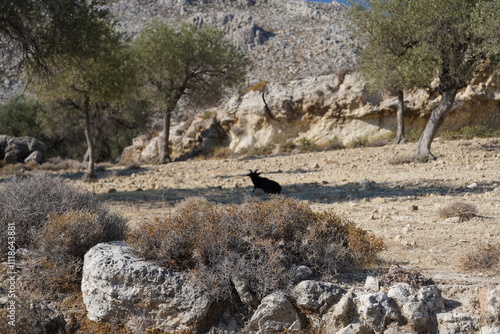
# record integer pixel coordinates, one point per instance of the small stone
(372, 284)
(472, 185)
(453, 220)
(111, 191)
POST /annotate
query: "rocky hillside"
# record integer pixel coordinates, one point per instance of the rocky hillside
(286, 39)
(304, 59)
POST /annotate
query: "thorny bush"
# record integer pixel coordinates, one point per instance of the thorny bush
(258, 242)
(27, 202)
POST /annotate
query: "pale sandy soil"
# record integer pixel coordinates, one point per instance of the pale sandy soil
(398, 202)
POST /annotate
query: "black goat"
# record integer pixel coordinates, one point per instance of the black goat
(269, 186)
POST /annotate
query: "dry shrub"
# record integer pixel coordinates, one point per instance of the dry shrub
(403, 275)
(484, 258)
(464, 211)
(32, 316)
(257, 87)
(259, 242)
(401, 160)
(58, 164)
(72, 233)
(27, 202)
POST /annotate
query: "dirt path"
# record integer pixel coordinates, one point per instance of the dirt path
(399, 202)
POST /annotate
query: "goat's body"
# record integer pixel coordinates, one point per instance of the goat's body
(269, 186)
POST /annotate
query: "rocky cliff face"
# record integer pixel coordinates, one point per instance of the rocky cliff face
(304, 60)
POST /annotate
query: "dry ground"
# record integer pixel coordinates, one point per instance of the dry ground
(399, 202)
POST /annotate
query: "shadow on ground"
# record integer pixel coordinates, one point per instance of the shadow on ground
(315, 192)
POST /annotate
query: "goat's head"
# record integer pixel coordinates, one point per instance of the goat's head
(254, 173)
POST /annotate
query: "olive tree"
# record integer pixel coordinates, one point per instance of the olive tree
(448, 39)
(41, 29)
(388, 55)
(193, 63)
(103, 72)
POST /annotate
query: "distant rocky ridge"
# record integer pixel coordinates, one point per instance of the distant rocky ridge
(286, 39)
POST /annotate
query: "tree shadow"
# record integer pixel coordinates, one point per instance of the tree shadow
(314, 192)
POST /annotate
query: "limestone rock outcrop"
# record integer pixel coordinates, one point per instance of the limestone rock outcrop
(118, 285)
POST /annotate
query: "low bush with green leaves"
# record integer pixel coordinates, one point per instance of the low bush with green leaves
(258, 242)
(307, 145)
(358, 142)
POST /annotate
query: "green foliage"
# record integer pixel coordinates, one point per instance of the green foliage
(43, 29)
(19, 117)
(307, 145)
(259, 242)
(191, 62)
(413, 135)
(287, 146)
(480, 131)
(358, 142)
(485, 25)
(411, 42)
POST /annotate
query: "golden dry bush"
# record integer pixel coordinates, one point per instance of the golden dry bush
(72, 233)
(485, 258)
(26, 202)
(257, 87)
(258, 242)
(463, 210)
(60, 247)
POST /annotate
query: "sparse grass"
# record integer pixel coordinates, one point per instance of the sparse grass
(335, 143)
(413, 135)
(463, 210)
(358, 142)
(207, 114)
(484, 258)
(381, 140)
(222, 152)
(288, 146)
(306, 145)
(259, 150)
(260, 242)
(469, 132)
(479, 131)
(58, 164)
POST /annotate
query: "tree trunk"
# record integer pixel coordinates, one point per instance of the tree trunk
(437, 117)
(400, 135)
(90, 141)
(164, 147)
